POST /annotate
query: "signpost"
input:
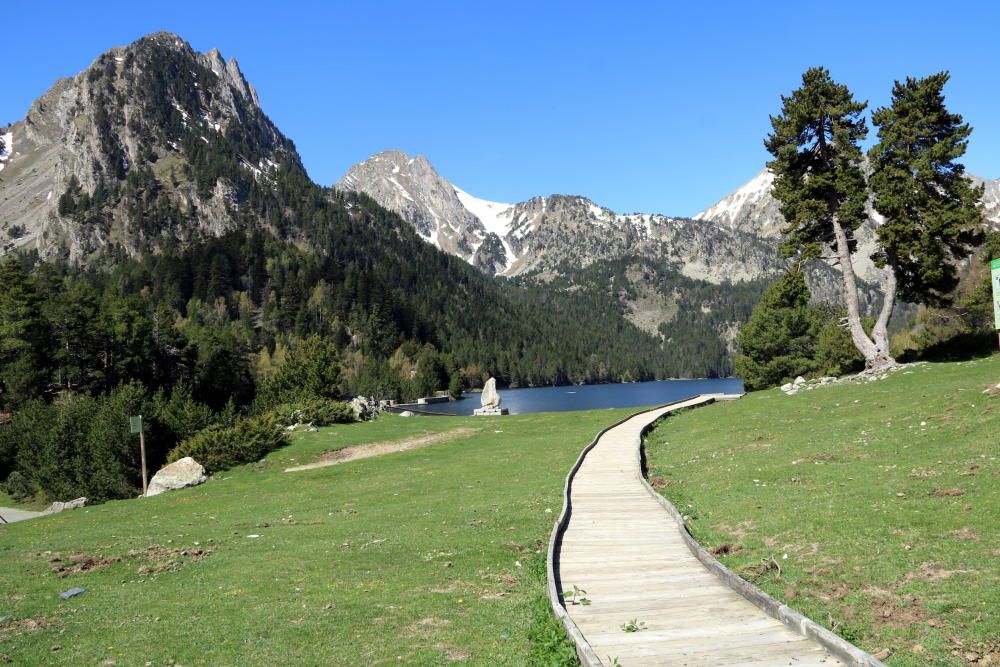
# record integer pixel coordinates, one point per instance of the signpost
(135, 426)
(995, 280)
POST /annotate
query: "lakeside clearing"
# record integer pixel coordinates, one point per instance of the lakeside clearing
(420, 557)
(436, 554)
(879, 502)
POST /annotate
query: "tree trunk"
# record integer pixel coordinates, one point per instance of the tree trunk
(880, 333)
(865, 345)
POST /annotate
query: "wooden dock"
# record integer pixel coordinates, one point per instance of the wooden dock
(623, 547)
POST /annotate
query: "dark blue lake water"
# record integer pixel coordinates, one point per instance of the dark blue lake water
(591, 396)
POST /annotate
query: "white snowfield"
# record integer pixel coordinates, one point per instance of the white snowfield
(727, 209)
(496, 218)
(8, 148)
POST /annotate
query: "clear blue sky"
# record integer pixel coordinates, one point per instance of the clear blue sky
(654, 107)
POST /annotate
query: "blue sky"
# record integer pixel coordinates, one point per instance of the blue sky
(654, 107)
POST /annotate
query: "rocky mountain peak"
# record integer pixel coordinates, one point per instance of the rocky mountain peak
(412, 187)
(154, 109)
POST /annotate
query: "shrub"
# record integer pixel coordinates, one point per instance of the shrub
(184, 417)
(221, 447)
(836, 353)
(777, 342)
(311, 368)
(18, 486)
(81, 446)
(317, 411)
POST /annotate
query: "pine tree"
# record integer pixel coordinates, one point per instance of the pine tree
(776, 344)
(931, 210)
(23, 336)
(820, 185)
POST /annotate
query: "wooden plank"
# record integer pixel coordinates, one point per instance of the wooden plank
(626, 551)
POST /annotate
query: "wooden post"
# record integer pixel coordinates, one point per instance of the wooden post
(142, 453)
(135, 426)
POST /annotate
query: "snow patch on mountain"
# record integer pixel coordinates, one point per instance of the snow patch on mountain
(8, 148)
(744, 206)
(494, 215)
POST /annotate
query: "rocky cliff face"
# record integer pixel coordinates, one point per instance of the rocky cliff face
(154, 105)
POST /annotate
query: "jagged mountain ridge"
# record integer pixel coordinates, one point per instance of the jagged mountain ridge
(542, 234)
(136, 105)
(735, 239)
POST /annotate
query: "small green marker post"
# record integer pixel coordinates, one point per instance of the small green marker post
(135, 426)
(995, 280)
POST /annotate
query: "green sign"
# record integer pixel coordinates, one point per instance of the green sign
(135, 424)
(995, 279)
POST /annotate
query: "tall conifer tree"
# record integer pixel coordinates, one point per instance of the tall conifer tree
(820, 184)
(931, 210)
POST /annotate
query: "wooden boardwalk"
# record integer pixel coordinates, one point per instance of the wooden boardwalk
(626, 551)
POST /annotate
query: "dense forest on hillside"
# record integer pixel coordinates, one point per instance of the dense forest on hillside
(699, 318)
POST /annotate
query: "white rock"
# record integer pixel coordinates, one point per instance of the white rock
(787, 386)
(490, 399)
(179, 474)
(405, 413)
(799, 380)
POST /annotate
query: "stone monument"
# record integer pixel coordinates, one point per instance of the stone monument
(490, 401)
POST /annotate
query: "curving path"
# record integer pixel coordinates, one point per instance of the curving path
(624, 548)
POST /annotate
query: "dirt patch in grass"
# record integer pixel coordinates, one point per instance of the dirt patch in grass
(21, 626)
(424, 625)
(167, 560)
(453, 654)
(932, 572)
(725, 548)
(80, 563)
(348, 454)
(660, 482)
(947, 493)
(898, 611)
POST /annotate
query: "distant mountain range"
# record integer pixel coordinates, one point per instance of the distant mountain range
(156, 147)
(733, 240)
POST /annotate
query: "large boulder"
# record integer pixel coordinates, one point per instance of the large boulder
(68, 505)
(490, 400)
(177, 475)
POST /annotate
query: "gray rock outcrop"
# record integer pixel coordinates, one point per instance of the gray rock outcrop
(65, 136)
(365, 409)
(68, 505)
(177, 475)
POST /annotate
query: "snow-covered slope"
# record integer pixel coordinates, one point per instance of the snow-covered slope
(412, 187)
(751, 208)
(6, 147)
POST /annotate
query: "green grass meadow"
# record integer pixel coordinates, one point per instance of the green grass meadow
(427, 557)
(880, 503)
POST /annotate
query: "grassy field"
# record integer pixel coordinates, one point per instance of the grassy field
(879, 502)
(421, 557)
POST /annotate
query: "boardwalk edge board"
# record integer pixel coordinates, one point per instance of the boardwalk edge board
(801, 624)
